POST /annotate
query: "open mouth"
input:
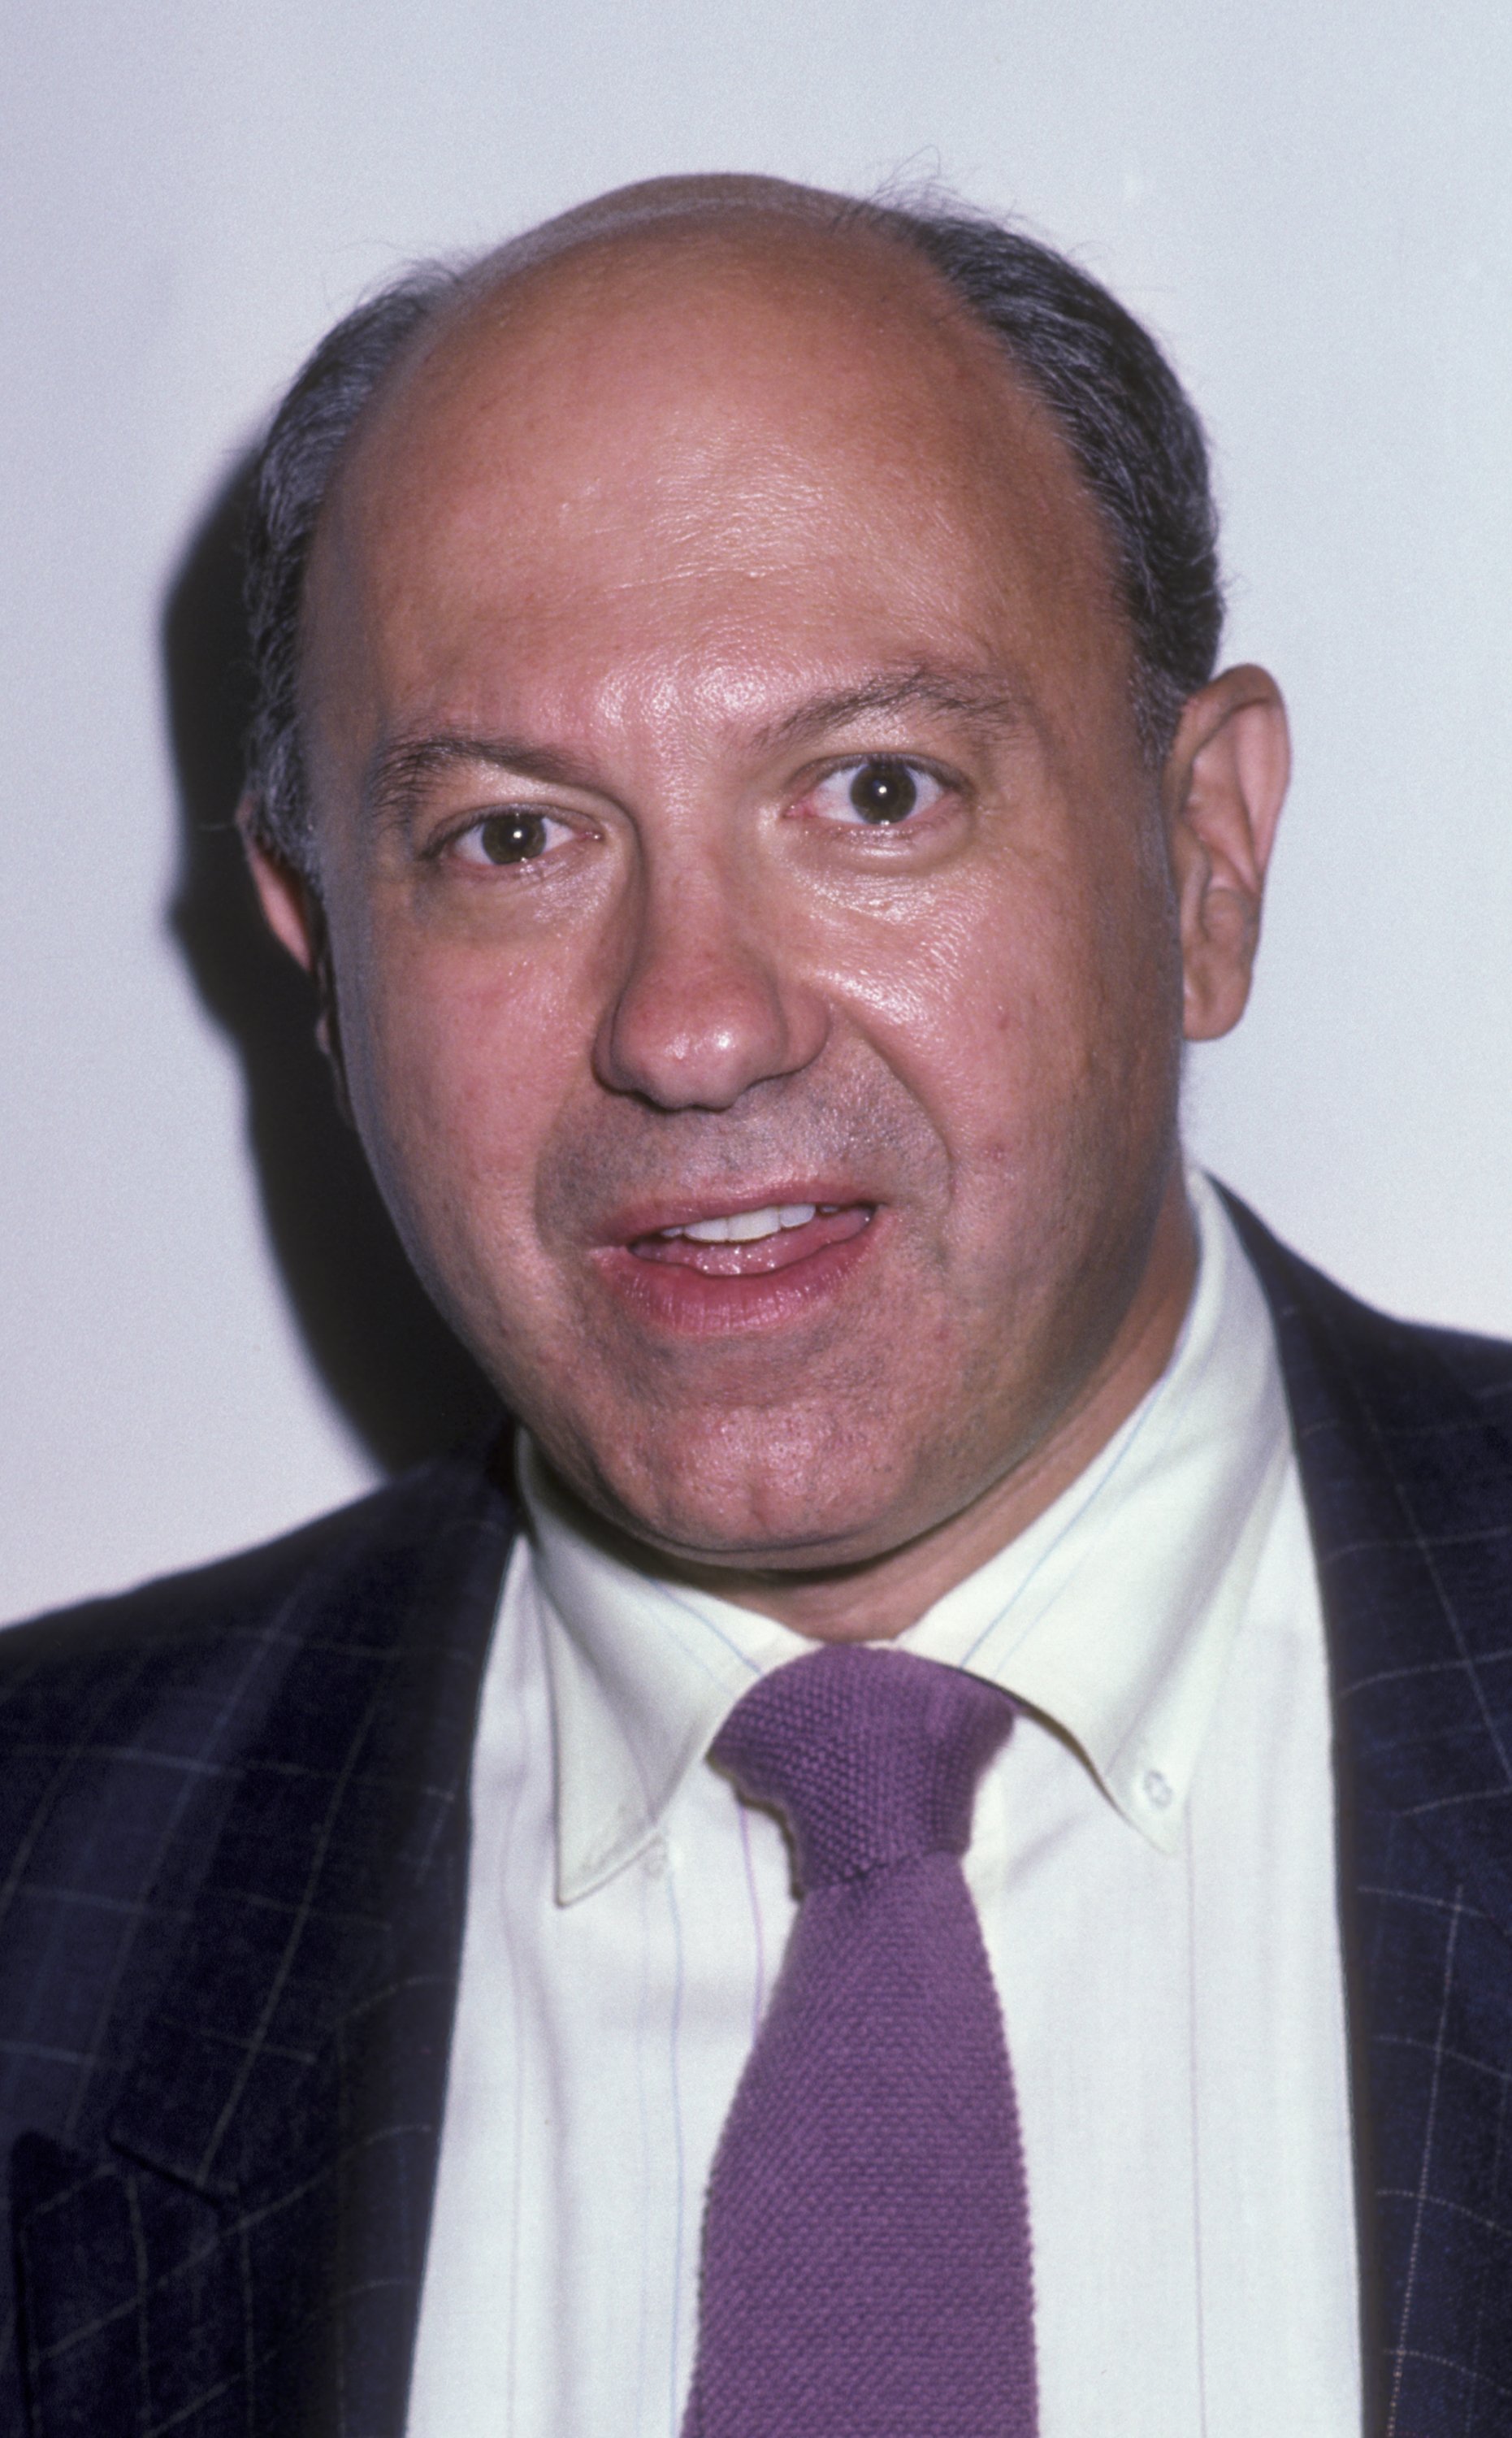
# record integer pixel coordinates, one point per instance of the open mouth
(752, 1244)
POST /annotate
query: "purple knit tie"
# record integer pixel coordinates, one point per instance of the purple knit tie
(866, 2266)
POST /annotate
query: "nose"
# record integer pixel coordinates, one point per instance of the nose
(707, 1000)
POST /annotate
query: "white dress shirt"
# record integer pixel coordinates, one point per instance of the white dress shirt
(1152, 1859)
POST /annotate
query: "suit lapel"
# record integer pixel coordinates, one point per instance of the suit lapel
(1408, 1477)
(246, 2254)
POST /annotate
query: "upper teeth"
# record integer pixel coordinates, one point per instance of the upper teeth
(743, 1226)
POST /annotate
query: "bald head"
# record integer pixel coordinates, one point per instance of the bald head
(697, 319)
(1131, 441)
(708, 278)
(575, 450)
(687, 203)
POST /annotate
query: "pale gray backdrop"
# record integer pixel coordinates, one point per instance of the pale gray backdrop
(204, 1336)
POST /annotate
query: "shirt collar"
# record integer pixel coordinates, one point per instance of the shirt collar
(643, 1675)
(1115, 1612)
(1113, 1615)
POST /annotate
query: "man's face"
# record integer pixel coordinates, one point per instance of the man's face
(751, 933)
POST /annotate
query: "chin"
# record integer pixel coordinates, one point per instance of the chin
(772, 1497)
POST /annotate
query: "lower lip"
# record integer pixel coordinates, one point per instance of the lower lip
(716, 1289)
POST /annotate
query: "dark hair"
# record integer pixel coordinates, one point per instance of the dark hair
(1130, 427)
(290, 478)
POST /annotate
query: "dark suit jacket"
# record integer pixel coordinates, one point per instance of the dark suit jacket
(232, 1848)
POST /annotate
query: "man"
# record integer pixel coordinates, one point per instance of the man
(740, 755)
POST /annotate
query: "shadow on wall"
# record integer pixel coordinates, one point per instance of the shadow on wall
(391, 1364)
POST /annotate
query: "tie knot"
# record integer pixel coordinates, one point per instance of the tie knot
(873, 1756)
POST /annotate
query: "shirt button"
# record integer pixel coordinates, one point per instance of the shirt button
(655, 1859)
(1157, 1788)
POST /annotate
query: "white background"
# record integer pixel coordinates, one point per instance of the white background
(1312, 202)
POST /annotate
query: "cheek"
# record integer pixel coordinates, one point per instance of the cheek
(1036, 1018)
(987, 1007)
(458, 1065)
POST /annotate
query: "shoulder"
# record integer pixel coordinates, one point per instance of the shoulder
(185, 1763)
(342, 1579)
(1403, 1436)
(1378, 1351)
(129, 1728)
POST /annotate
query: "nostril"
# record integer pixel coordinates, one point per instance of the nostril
(697, 1031)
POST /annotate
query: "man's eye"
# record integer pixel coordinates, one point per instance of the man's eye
(881, 791)
(511, 836)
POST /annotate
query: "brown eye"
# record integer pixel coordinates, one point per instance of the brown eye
(511, 837)
(884, 791)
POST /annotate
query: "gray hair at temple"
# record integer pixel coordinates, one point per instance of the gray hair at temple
(1130, 427)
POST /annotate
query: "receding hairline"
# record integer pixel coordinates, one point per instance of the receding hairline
(707, 204)
(1066, 342)
(417, 386)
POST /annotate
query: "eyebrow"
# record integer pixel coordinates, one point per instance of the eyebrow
(399, 771)
(956, 694)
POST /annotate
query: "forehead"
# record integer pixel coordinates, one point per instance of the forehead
(722, 430)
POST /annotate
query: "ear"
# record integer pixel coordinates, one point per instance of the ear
(289, 905)
(1223, 785)
(292, 908)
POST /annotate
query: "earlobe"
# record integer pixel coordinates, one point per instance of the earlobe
(1225, 783)
(292, 911)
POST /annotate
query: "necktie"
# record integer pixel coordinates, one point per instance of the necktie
(866, 2264)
